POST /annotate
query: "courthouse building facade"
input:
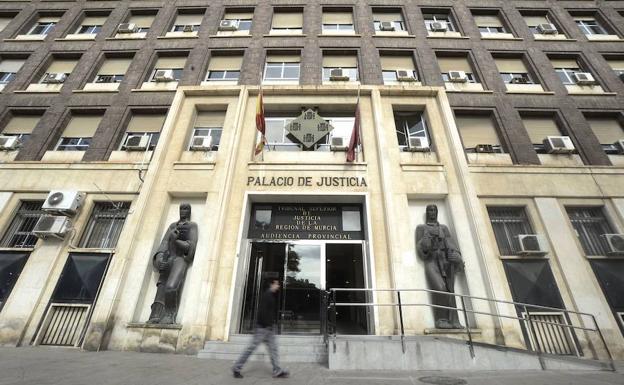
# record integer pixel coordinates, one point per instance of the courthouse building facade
(507, 115)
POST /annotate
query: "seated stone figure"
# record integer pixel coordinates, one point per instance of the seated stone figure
(172, 258)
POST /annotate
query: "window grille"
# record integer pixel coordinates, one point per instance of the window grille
(589, 224)
(105, 225)
(19, 234)
(508, 223)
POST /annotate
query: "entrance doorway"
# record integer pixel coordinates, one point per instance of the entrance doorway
(305, 269)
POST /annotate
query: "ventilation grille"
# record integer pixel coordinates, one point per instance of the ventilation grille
(552, 339)
(64, 324)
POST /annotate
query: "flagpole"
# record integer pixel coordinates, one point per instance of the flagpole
(357, 106)
(262, 134)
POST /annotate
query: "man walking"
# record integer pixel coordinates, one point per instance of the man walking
(267, 308)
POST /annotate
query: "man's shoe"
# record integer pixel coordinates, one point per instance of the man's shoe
(282, 373)
(236, 374)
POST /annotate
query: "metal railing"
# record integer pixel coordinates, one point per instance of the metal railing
(525, 315)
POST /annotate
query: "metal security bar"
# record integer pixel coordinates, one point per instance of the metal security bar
(19, 234)
(590, 223)
(526, 317)
(508, 223)
(64, 324)
(105, 225)
(551, 338)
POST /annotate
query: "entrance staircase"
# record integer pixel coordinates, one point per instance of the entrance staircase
(292, 348)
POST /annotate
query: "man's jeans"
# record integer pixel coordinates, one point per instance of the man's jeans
(267, 336)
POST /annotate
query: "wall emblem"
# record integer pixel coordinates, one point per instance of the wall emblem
(309, 128)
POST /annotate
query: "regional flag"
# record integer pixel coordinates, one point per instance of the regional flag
(260, 123)
(355, 135)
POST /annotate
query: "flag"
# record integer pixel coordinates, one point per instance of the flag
(260, 124)
(355, 134)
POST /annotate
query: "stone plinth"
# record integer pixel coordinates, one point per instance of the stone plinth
(153, 338)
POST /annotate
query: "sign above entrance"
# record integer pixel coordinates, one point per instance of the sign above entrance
(306, 221)
(308, 128)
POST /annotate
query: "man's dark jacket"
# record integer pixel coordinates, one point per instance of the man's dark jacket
(267, 309)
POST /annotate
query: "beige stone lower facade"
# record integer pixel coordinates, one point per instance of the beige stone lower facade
(389, 186)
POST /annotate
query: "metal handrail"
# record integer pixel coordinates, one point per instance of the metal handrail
(333, 304)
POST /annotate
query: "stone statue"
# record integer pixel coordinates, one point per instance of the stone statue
(442, 261)
(172, 258)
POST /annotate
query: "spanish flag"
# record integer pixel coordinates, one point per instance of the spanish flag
(260, 124)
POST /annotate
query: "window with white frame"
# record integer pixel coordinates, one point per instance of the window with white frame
(391, 18)
(91, 24)
(453, 64)
(410, 125)
(513, 70)
(9, 68)
(534, 20)
(444, 18)
(78, 133)
(142, 20)
(282, 67)
(21, 127)
(209, 126)
(508, 223)
(44, 25)
(279, 139)
(565, 69)
(113, 70)
(393, 65)
(336, 20)
(105, 225)
(175, 64)
(589, 224)
(287, 21)
(489, 24)
(242, 19)
(73, 144)
(19, 233)
(590, 26)
(347, 64)
(143, 125)
(187, 22)
(224, 67)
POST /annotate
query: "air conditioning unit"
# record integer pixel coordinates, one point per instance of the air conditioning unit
(188, 28)
(547, 29)
(8, 143)
(228, 25)
(485, 148)
(615, 243)
(620, 146)
(519, 81)
(164, 76)
(137, 142)
(417, 144)
(52, 226)
(533, 244)
(405, 76)
(558, 145)
(63, 202)
(439, 26)
(127, 28)
(457, 76)
(584, 78)
(338, 144)
(54, 78)
(386, 26)
(201, 143)
(338, 74)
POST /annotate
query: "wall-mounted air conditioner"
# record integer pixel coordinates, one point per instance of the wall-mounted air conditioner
(201, 143)
(63, 202)
(559, 145)
(405, 76)
(164, 76)
(615, 243)
(584, 78)
(136, 142)
(338, 143)
(620, 146)
(188, 28)
(417, 144)
(52, 226)
(8, 143)
(127, 28)
(386, 26)
(485, 148)
(54, 78)
(533, 244)
(228, 25)
(338, 74)
(547, 29)
(457, 76)
(439, 26)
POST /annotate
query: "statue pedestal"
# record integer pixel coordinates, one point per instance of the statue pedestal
(153, 338)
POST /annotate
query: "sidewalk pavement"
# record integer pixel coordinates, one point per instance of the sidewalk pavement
(46, 365)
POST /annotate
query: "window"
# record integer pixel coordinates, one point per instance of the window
(5, 20)
(19, 233)
(113, 70)
(89, 29)
(11, 265)
(388, 20)
(565, 69)
(391, 64)
(478, 130)
(456, 63)
(337, 21)
(209, 124)
(78, 133)
(513, 71)
(278, 138)
(287, 21)
(539, 127)
(9, 68)
(173, 63)
(508, 223)
(282, 68)
(589, 224)
(410, 125)
(346, 63)
(91, 24)
(142, 21)
(489, 24)
(534, 20)
(608, 130)
(21, 126)
(59, 66)
(444, 18)
(144, 124)
(616, 64)
(187, 22)
(590, 26)
(81, 278)
(224, 67)
(242, 18)
(44, 25)
(105, 225)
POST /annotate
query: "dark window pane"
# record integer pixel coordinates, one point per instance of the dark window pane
(81, 277)
(11, 265)
(532, 282)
